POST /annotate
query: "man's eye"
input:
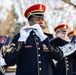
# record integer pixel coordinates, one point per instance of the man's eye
(37, 19)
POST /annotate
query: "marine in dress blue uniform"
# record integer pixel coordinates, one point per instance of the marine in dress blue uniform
(31, 58)
(65, 66)
(70, 35)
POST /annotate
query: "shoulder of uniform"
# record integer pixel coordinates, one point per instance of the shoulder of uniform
(15, 38)
(18, 34)
(49, 35)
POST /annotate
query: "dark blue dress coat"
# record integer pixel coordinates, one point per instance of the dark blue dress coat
(74, 67)
(32, 59)
(65, 66)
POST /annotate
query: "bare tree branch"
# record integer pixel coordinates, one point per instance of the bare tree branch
(69, 2)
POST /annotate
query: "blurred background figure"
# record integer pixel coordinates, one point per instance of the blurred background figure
(61, 31)
(71, 36)
(4, 41)
(65, 66)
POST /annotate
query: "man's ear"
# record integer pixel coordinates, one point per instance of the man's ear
(30, 22)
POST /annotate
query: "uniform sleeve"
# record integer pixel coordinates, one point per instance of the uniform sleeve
(55, 52)
(74, 55)
(11, 56)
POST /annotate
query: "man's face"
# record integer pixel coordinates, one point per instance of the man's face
(38, 20)
(62, 35)
(71, 37)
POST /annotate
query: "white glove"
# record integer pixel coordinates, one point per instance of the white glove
(39, 32)
(24, 33)
(2, 62)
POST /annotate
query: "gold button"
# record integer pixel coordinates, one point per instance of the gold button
(67, 68)
(66, 61)
(67, 65)
(37, 43)
(39, 62)
(39, 55)
(33, 33)
(36, 38)
(39, 68)
(66, 58)
(38, 48)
